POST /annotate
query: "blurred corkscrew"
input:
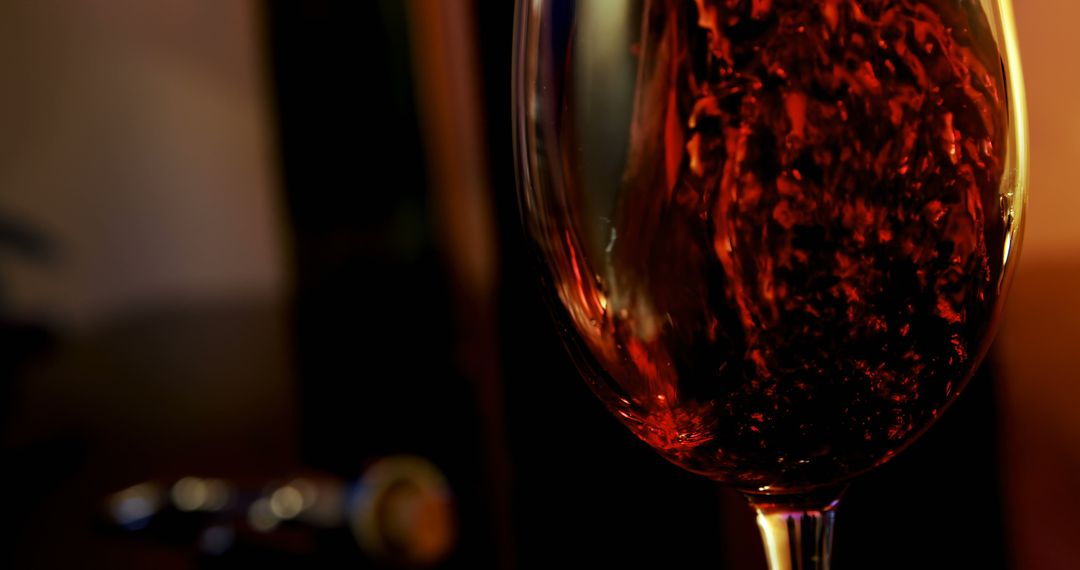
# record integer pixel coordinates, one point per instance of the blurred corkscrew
(400, 513)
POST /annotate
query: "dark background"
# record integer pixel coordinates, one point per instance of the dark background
(380, 348)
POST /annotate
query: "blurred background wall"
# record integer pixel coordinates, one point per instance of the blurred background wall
(137, 137)
(141, 333)
(1040, 331)
(1049, 44)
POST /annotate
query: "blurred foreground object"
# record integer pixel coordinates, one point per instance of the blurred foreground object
(400, 512)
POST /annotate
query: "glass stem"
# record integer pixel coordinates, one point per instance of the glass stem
(797, 532)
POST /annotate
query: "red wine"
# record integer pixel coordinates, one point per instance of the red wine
(807, 249)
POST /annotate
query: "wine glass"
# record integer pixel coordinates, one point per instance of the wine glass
(776, 234)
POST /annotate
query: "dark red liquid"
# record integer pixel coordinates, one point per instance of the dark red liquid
(807, 250)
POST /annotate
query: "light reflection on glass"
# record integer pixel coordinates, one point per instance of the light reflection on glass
(217, 540)
(309, 491)
(286, 502)
(189, 494)
(134, 507)
(261, 516)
